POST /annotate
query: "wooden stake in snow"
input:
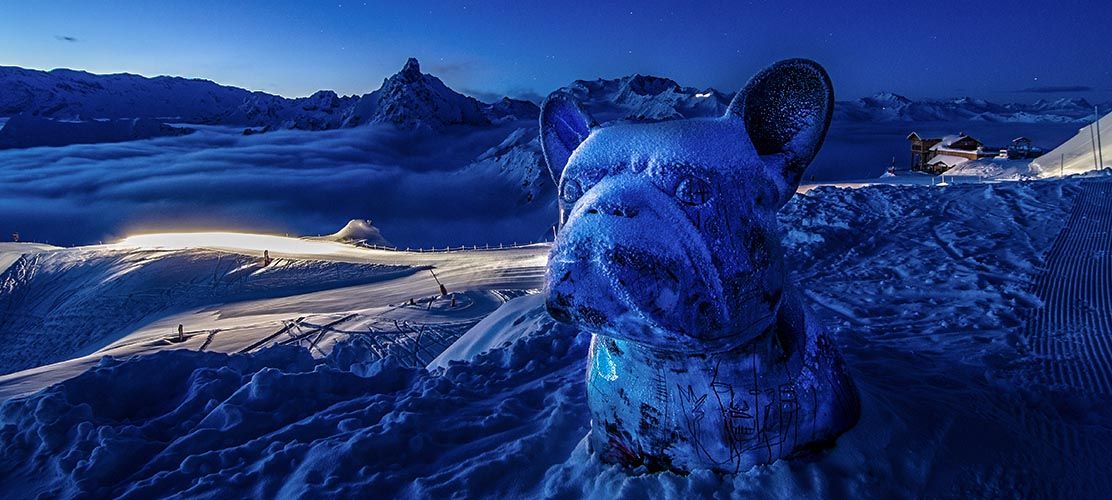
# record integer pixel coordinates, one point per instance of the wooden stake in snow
(443, 291)
(1100, 150)
(181, 333)
(1093, 139)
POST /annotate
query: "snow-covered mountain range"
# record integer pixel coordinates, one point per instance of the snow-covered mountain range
(409, 99)
(887, 106)
(414, 100)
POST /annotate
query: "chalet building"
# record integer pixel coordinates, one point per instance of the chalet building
(1021, 148)
(939, 155)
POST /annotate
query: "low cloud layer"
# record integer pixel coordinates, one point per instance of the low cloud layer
(1057, 89)
(286, 182)
(519, 93)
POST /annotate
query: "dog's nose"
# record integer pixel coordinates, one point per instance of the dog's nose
(625, 197)
(615, 211)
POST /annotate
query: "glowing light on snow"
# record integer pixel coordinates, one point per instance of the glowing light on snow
(235, 241)
(703, 94)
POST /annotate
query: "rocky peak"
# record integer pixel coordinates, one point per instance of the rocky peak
(411, 72)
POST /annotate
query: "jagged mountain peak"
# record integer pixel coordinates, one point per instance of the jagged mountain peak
(412, 69)
(648, 85)
(886, 99)
(414, 100)
(1063, 102)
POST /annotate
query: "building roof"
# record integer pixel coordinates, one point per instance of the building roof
(947, 160)
(948, 142)
(952, 138)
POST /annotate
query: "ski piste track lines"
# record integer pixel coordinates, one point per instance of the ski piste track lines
(1072, 332)
(382, 336)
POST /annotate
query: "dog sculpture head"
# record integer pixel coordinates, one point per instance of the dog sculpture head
(669, 234)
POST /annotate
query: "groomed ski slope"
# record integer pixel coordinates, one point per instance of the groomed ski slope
(1073, 332)
(65, 308)
(1080, 153)
(926, 291)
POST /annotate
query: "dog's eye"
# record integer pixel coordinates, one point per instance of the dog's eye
(572, 191)
(693, 191)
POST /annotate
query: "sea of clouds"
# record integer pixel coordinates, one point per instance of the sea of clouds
(420, 189)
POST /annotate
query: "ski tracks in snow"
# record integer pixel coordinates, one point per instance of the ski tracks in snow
(1072, 332)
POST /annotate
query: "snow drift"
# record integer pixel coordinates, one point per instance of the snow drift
(359, 231)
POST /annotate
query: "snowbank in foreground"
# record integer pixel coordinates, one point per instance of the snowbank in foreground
(515, 319)
(925, 291)
(279, 423)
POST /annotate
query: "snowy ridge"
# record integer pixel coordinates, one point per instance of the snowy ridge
(645, 98)
(78, 95)
(886, 106)
(414, 100)
(408, 99)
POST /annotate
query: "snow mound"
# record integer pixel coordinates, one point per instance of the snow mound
(359, 231)
(997, 169)
(515, 319)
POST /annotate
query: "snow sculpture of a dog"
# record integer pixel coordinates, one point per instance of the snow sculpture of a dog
(702, 356)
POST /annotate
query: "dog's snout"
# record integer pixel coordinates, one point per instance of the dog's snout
(623, 196)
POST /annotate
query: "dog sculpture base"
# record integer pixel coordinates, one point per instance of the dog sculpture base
(784, 395)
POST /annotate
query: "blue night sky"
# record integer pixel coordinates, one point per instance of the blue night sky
(1000, 50)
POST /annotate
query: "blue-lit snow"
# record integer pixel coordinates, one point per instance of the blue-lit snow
(924, 289)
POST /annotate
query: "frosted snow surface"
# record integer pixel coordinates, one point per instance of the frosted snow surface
(994, 169)
(924, 290)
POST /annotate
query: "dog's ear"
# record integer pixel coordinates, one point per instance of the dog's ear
(564, 126)
(786, 109)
